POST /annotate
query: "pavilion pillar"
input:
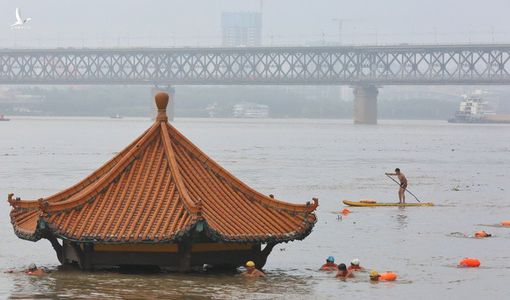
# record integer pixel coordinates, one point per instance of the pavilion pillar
(261, 255)
(74, 253)
(170, 90)
(57, 247)
(87, 256)
(365, 104)
(184, 256)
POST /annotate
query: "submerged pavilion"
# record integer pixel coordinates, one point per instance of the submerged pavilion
(161, 202)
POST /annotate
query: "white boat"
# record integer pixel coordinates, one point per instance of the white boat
(117, 116)
(3, 118)
(474, 109)
(212, 110)
(250, 110)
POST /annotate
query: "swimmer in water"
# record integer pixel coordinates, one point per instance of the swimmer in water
(355, 266)
(482, 234)
(386, 276)
(374, 276)
(343, 272)
(34, 270)
(329, 265)
(251, 271)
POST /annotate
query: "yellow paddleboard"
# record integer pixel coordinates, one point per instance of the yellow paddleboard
(365, 203)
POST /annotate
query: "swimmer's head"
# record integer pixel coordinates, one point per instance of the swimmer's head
(32, 267)
(374, 275)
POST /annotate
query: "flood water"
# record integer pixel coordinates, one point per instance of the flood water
(463, 168)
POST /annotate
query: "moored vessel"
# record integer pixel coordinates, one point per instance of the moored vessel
(116, 116)
(474, 109)
(250, 110)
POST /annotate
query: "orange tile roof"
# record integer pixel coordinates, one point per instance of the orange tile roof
(158, 189)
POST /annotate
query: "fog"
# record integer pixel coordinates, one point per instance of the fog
(159, 23)
(197, 23)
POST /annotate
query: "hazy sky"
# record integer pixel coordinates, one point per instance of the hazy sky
(197, 22)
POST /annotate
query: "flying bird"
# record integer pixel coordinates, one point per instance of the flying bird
(20, 21)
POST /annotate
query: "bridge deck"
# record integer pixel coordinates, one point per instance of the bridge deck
(350, 65)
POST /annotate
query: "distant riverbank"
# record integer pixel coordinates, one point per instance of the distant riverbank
(282, 101)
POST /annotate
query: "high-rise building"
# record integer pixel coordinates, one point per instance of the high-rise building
(241, 29)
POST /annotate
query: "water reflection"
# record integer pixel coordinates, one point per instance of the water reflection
(107, 284)
(401, 218)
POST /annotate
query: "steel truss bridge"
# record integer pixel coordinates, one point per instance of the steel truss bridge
(360, 65)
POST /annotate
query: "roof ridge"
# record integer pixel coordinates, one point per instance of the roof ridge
(241, 186)
(83, 195)
(189, 204)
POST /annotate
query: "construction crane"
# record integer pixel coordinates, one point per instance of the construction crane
(340, 22)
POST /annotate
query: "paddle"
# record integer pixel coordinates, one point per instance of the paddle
(404, 189)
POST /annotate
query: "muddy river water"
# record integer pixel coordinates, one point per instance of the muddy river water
(464, 169)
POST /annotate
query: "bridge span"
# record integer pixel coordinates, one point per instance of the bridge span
(363, 67)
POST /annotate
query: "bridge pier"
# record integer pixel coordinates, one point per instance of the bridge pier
(170, 90)
(365, 104)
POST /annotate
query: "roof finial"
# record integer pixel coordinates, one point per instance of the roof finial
(10, 199)
(162, 102)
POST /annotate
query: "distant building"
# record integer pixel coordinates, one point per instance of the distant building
(241, 29)
(212, 110)
(250, 110)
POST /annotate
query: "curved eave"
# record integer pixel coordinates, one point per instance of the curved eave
(17, 203)
(298, 234)
(210, 232)
(28, 236)
(175, 238)
(32, 233)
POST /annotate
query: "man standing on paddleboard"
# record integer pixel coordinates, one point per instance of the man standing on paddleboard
(403, 185)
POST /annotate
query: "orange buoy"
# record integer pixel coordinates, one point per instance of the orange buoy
(388, 276)
(469, 263)
(345, 211)
(505, 223)
(481, 234)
